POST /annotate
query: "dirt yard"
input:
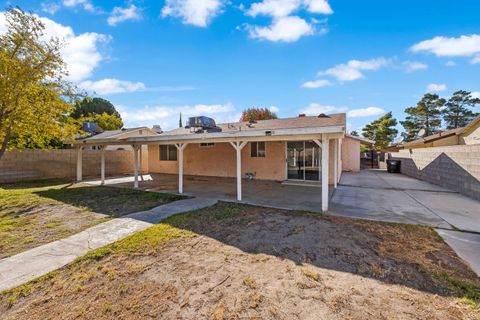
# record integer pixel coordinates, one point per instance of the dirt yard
(36, 213)
(241, 262)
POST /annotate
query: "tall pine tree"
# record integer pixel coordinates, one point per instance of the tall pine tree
(382, 131)
(458, 111)
(425, 115)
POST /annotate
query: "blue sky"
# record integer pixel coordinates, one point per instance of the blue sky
(154, 59)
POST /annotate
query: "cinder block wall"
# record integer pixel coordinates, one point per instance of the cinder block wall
(453, 167)
(24, 165)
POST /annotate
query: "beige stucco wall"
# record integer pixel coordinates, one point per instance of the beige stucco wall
(220, 161)
(350, 155)
(472, 136)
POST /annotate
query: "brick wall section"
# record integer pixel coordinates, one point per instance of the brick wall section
(453, 167)
(47, 164)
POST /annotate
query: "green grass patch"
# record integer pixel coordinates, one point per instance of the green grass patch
(461, 287)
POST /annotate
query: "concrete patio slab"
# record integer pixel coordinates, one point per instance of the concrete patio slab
(255, 192)
(466, 245)
(26, 266)
(380, 179)
(378, 195)
(460, 211)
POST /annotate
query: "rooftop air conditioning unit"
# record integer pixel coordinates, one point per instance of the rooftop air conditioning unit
(202, 123)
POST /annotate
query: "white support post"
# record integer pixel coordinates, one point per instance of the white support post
(339, 155)
(180, 148)
(141, 163)
(79, 163)
(238, 146)
(135, 165)
(325, 146)
(102, 165)
(335, 163)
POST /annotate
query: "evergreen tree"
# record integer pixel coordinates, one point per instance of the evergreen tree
(425, 115)
(458, 111)
(354, 133)
(382, 131)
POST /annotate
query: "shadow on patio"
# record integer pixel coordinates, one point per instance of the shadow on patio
(255, 192)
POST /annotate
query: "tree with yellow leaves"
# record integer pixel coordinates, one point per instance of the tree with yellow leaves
(33, 109)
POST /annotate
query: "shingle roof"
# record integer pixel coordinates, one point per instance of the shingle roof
(113, 133)
(331, 120)
(436, 136)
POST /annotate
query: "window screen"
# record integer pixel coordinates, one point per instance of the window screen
(257, 149)
(168, 152)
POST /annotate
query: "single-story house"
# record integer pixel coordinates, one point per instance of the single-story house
(467, 135)
(304, 148)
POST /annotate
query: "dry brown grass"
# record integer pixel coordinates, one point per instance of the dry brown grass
(241, 262)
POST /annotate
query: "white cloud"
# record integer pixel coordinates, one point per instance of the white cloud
(50, 7)
(365, 112)
(86, 4)
(317, 84)
(283, 8)
(195, 12)
(316, 109)
(285, 29)
(167, 116)
(274, 8)
(318, 6)
(476, 94)
(475, 59)
(352, 70)
(274, 109)
(463, 46)
(450, 63)
(123, 14)
(436, 87)
(111, 86)
(411, 66)
(81, 52)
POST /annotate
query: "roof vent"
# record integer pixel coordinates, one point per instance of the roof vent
(323, 115)
(301, 115)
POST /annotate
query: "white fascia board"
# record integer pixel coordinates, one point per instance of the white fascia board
(220, 136)
(239, 134)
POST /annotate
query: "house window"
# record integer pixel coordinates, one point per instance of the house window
(207, 145)
(257, 149)
(168, 152)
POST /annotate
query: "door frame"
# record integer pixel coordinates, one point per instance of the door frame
(304, 172)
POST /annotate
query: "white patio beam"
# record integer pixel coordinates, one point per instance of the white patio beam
(335, 163)
(102, 163)
(180, 148)
(238, 146)
(79, 163)
(325, 146)
(135, 164)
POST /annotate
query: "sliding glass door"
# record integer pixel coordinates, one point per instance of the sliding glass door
(303, 160)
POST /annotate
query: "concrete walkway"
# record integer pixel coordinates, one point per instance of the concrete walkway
(466, 245)
(28, 265)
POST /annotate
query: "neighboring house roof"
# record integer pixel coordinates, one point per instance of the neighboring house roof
(361, 139)
(116, 134)
(312, 125)
(436, 136)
